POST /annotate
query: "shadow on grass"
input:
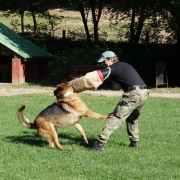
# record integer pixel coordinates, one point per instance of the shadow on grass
(33, 140)
(36, 140)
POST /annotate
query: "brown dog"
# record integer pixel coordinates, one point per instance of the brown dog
(67, 111)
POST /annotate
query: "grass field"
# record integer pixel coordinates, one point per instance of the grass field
(24, 155)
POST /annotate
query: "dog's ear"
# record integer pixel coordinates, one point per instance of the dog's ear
(62, 84)
(59, 86)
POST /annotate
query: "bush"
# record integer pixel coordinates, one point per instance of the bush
(142, 57)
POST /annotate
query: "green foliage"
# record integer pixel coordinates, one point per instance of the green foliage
(79, 35)
(137, 14)
(76, 51)
(142, 57)
(62, 65)
(24, 155)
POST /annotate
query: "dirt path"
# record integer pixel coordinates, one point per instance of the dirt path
(9, 90)
(118, 93)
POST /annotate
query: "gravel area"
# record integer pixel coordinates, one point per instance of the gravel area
(119, 93)
(10, 90)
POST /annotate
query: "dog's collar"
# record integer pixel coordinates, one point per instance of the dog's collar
(66, 94)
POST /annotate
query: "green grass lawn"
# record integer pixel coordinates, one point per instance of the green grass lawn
(25, 156)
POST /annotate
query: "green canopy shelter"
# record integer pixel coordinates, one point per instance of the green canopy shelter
(29, 62)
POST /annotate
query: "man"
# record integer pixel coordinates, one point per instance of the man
(133, 99)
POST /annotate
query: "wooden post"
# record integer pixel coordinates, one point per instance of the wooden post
(64, 34)
(18, 74)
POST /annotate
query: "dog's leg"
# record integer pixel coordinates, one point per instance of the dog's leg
(92, 114)
(81, 131)
(48, 131)
(42, 133)
(55, 139)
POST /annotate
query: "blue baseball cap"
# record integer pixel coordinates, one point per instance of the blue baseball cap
(105, 55)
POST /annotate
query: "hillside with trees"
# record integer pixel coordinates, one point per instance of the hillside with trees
(76, 32)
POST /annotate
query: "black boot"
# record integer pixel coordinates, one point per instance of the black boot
(134, 144)
(99, 146)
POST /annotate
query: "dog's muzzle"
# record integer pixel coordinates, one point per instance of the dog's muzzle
(55, 92)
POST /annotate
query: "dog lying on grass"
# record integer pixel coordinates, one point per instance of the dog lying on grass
(67, 111)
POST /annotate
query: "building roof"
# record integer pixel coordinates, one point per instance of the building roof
(19, 45)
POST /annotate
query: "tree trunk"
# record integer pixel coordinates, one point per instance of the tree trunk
(34, 18)
(132, 25)
(140, 26)
(96, 17)
(21, 11)
(178, 33)
(84, 19)
(22, 22)
(86, 27)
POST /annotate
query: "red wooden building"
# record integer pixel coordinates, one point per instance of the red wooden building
(28, 63)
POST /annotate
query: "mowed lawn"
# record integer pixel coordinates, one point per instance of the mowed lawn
(25, 156)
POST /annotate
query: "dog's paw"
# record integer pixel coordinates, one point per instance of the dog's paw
(104, 116)
(85, 141)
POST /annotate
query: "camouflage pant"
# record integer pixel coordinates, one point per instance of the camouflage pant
(127, 109)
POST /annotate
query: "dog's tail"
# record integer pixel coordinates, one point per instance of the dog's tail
(23, 120)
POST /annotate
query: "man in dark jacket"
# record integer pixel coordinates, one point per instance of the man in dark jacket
(133, 99)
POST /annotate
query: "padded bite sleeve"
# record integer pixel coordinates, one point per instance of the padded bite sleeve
(88, 82)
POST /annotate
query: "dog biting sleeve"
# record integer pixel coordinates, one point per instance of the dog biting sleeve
(88, 82)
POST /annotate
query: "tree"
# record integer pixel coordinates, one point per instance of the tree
(29, 7)
(172, 16)
(136, 12)
(14, 7)
(85, 7)
(33, 16)
(96, 9)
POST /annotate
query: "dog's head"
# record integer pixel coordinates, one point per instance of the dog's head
(62, 90)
